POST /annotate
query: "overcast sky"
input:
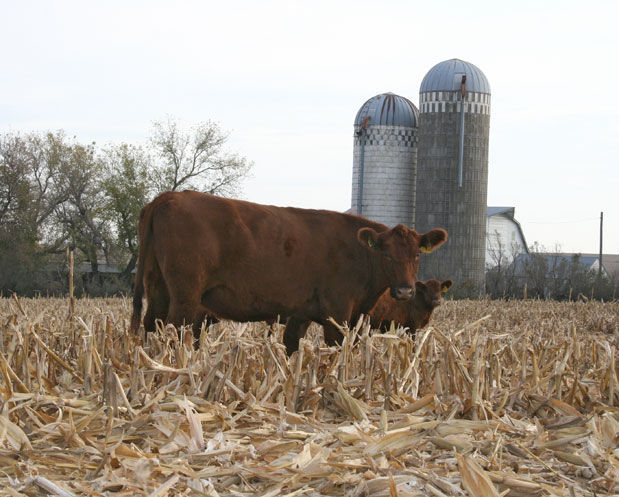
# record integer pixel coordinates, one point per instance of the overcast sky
(286, 78)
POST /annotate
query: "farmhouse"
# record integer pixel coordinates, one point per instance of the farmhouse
(560, 262)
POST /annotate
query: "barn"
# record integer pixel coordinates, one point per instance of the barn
(504, 236)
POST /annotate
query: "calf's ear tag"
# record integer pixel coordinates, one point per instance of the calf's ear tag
(426, 249)
(371, 243)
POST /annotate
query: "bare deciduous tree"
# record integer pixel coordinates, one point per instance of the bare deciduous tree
(195, 159)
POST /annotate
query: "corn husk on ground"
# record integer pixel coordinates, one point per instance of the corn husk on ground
(491, 399)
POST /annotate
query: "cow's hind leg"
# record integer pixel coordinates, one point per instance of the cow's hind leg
(157, 308)
(295, 330)
(333, 336)
(157, 299)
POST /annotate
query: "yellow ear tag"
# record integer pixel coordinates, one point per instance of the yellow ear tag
(426, 249)
(370, 243)
(444, 289)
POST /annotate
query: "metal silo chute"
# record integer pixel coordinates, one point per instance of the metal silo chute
(461, 149)
(362, 135)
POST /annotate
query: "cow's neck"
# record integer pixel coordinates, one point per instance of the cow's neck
(377, 281)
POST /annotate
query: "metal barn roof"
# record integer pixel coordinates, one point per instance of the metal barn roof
(447, 76)
(388, 109)
(493, 211)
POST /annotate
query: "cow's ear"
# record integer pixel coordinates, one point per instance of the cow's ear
(420, 286)
(446, 285)
(368, 237)
(432, 239)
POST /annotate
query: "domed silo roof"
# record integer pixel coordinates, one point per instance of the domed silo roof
(388, 109)
(447, 76)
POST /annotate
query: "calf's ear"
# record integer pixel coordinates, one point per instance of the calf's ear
(420, 286)
(446, 285)
(432, 239)
(368, 237)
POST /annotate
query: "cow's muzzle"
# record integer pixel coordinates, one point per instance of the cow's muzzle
(402, 292)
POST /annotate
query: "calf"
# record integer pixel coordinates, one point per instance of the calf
(414, 313)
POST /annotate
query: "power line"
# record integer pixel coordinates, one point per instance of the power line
(564, 222)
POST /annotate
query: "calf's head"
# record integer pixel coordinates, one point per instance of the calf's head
(430, 292)
(397, 250)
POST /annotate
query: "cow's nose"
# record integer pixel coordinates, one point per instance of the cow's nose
(402, 292)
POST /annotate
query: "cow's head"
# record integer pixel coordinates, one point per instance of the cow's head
(398, 250)
(430, 292)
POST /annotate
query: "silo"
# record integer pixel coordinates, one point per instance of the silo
(385, 160)
(452, 171)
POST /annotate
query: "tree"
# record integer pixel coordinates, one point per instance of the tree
(30, 191)
(30, 186)
(535, 271)
(556, 277)
(195, 159)
(82, 219)
(14, 179)
(56, 192)
(17, 238)
(128, 187)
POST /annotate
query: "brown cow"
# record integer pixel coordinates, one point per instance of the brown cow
(416, 312)
(205, 255)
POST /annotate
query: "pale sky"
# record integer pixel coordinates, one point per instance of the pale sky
(287, 78)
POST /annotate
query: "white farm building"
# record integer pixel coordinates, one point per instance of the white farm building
(504, 237)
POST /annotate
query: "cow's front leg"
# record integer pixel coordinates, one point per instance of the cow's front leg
(295, 330)
(183, 311)
(202, 315)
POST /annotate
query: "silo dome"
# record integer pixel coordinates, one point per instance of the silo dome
(447, 76)
(388, 109)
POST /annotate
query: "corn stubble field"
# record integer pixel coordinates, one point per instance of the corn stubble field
(492, 398)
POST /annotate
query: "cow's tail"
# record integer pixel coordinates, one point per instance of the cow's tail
(144, 241)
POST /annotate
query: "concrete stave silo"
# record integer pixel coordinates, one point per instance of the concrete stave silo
(452, 171)
(385, 160)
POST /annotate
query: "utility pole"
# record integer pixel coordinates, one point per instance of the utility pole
(601, 227)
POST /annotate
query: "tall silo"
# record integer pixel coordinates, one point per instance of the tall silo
(385, 160)
(452, 171)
